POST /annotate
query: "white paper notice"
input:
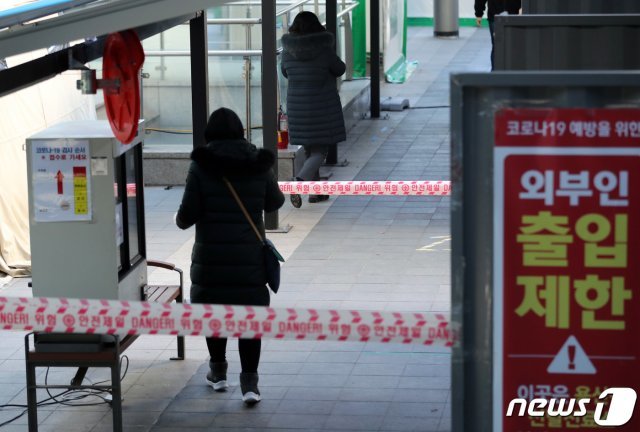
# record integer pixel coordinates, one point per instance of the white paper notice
(61, 178)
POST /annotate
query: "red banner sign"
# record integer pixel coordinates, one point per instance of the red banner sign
(567, 293)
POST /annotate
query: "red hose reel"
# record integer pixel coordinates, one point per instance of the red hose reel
(121, 63)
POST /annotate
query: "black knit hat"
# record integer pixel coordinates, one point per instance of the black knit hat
(306, 22)
(223, 124)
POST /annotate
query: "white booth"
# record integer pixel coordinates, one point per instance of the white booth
(86, 212)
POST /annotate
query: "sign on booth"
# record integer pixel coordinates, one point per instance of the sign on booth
(567, 202)
(61, 180)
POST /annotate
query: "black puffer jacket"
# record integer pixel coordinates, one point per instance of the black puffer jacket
(227, 262)
(315, 114)
(512, 7)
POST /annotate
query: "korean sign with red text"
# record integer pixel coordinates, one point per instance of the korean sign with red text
(566, 265)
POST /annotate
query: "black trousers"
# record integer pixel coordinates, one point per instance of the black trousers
(492, 30)
(249, 352)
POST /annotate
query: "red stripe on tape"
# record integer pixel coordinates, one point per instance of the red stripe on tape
(114, 317)
(390, 187)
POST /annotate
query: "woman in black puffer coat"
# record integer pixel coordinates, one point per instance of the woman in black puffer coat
(310, 63)
(227, 260)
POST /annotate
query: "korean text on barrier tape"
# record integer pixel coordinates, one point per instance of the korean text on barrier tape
(421, 187)
(125, 317)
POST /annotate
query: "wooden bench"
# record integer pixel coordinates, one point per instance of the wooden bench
(85, 350)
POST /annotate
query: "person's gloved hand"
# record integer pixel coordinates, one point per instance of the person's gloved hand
(478, 21)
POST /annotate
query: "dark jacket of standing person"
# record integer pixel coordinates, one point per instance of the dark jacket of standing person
(512, 7)
(310, 63)
(227, 261)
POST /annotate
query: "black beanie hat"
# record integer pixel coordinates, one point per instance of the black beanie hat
(223, 124)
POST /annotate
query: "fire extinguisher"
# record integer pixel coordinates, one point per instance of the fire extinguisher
(283, 130)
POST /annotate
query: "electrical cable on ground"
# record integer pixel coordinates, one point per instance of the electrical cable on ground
(430, 107)
(69, 395)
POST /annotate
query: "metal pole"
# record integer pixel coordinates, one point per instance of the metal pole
(332, 27)
(445, 17)
(374, 24)
(331, 13)
(348, 47)
(247, 82)
(162, 66)
(269, 92)
(199, 77)
(247, 94)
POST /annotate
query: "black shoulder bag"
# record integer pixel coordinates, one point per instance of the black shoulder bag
(272, 257)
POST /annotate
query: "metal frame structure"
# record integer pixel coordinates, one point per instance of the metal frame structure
(199, 77)
(567, 42)
(374, 34)
(50, 65)
(33, 11)
(270, 93)
(579, 6)
(103, 18)
(93, 22)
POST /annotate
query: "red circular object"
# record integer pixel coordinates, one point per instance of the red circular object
(122, 59)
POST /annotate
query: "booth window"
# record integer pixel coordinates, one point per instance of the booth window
(129, 199)
(121, 250)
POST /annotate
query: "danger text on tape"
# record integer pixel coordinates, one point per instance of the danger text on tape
(422, 187)
(123, 317)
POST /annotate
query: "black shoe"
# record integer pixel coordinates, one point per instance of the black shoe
(296, 200)
(318, 198)
(217, 376)
(249, 387)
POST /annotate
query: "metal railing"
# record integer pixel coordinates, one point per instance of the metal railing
(246, 54)
(346, 10)
(211, 53)
(279, 3)
(343, 17)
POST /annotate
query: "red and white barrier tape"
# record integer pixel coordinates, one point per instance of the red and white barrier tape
(418, 187)
(421, 187)
(124, 317)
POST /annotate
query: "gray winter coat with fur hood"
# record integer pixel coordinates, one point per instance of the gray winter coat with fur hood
(227, 262)
(315, 114)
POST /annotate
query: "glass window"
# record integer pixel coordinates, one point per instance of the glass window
(120, 250)
(129, 210)
(133, 217)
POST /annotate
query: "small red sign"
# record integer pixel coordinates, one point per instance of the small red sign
(567, 292)
(59, 181)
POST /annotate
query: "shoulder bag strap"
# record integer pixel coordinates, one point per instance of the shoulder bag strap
(244, 210)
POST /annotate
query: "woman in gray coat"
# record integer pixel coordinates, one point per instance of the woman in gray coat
(227, 264)
(310, 63)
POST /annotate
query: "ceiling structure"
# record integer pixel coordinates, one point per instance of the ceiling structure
(88, 19)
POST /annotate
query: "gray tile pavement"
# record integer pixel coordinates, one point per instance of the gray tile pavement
(385, 253)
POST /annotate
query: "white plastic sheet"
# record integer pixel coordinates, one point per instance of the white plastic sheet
(24, 113)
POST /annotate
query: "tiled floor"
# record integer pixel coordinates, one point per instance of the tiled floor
(385, 253)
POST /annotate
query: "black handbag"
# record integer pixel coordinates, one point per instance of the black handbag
(272, 257)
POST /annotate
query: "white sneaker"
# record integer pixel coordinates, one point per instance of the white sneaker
(249, 387)
(218, 386)
(251, 398)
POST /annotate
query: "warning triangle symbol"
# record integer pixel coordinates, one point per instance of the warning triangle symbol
(571, 359)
